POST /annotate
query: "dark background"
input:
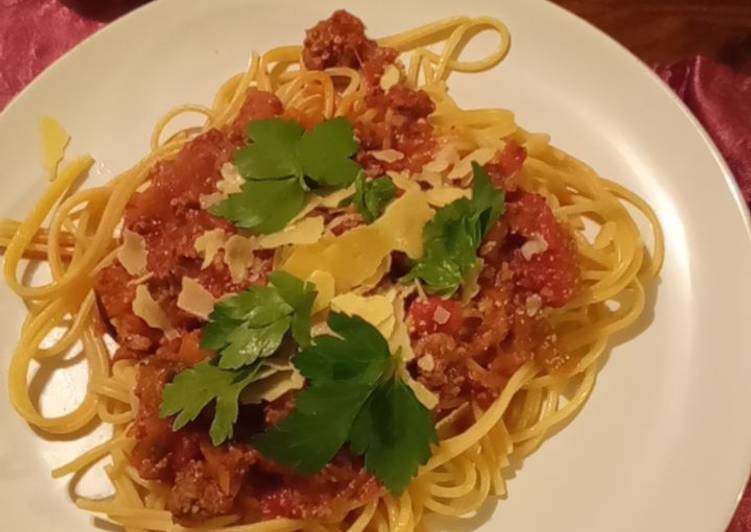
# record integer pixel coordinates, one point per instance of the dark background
(663, 31)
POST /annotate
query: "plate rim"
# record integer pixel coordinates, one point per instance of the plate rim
(730, 183)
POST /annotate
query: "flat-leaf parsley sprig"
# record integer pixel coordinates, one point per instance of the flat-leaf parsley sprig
(281, 163)
(355, 395)
(454, 235)
(244, 330)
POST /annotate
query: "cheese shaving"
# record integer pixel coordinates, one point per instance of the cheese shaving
(325, 286)
(399, 339)
(435, 180)
(54, 140)
(445, 157)
(231, 181)
(335, 198)
(464, 167)
(391, 77)
(206, 201)
(306, 231)
(209, 244)
(238, 256)
(356, 255)
(403, 181)
(273, 387)
(146, 308)
(387, 156)
(428, 399)
(194, 298)
(376, 310)
(373, 281)
(132, 253)
(439, 197)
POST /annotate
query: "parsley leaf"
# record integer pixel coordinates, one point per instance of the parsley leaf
(452, 237)
(308, 439)
(245, 345)
(272, 153)
(278, 165)
(300, 296)
(263, 206)
(194, 389)
(252, 324)
(358, 352)
(394, 432)
(372, 197)
(244, 329)
(325, 152)
(355, 395)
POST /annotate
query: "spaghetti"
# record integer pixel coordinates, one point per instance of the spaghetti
(479, 438)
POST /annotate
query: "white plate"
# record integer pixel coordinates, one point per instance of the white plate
(665, 441)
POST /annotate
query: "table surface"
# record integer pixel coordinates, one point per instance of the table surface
(657, 31)
(663, 31)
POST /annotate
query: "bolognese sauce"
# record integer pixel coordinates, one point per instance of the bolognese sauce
(466, 349)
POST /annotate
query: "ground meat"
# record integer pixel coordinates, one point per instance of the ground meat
(483, 342)
(276, 411)
(504, 168)
(321, 497)
(258, 105)
(435, 315)
(376, 63)
(208, 487)
(115, 296)
(553, 274)
(337, 41)
(400, 124)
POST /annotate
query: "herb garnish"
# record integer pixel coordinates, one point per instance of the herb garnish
(244, 330)
(281, 164)
(454, 235)
(355, 395)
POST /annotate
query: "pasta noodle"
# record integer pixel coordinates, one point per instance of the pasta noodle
(465, 468)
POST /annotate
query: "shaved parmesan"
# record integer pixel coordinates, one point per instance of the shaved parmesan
(428, 399)
(238, 256)
(376, 310)
(54, 140)
(325, 286)
(399, 339)
(272, 387)
(335, 198)
(533, 304)
(231, 181)
(146, 308)
(445, 157)
(132, 253)
(534, 246)
(356, 255)
(372, 281)
(433, 179)
(464, 167)
(439, 197)
(206, 201)
(306, 231)
(209, 244)
(387, 156)
(194, 298)
(403, 181)
(391, 77)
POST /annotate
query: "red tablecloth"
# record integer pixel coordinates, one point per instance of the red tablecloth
(33, 33)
